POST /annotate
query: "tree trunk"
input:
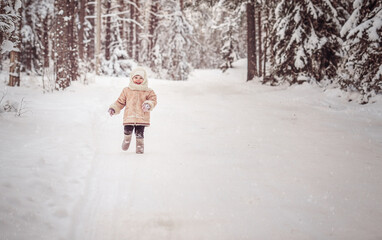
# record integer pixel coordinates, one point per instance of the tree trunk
(15, 61)
(137, 32)
(259, 36)
(45, 42)
(251, 41)
(61, 45)
(81, 18)
(90, 38)
(98, 38)
(266, 40)
(108, 31)
(121, 8)
(153, 23)
(181, 5)
(72, 41)
(28, 45)
(131, 33)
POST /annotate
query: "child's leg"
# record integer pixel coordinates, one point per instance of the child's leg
(128, 131)
(139, 133)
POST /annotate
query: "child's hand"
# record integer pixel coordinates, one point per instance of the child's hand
(111, 111)
(146, 107)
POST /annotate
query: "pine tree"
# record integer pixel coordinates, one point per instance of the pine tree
(173, 40)
(230, 29)
(42, 24)
(306, 41)
(362, 67)
(116, 61)
(206, 44)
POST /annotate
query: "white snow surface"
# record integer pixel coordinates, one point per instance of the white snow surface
(224, 159)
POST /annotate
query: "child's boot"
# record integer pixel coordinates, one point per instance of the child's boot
(140, 145)
(126, 142)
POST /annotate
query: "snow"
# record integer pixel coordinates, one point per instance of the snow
(300, 58)
(7, 46)
(18, 5)
(351, 23)
(224, 159)
(357, 3)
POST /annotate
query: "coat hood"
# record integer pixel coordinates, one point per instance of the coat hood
(144, 85)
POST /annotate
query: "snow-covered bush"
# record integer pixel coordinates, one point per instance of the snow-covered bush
(119, 63)
(10, 105)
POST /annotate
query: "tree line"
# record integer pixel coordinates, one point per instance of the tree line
(285, 41)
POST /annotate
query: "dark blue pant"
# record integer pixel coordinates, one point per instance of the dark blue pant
(139, 130)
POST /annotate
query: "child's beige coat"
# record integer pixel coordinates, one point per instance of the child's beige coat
(132, 98)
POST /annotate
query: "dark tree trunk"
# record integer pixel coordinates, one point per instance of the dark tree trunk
(72, 41)
(45, 42)
(81, 18)
(131, 33)
(266, 41)
(259, 36)
(108, 31)
(28, 45)
(251, 41)
(90, 45)
(61, 45)
(153, 23)
(137, 31)
(121, 8)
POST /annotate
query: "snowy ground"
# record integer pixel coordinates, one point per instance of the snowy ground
(224, 159)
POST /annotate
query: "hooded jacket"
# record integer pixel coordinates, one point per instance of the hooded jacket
(132, 98)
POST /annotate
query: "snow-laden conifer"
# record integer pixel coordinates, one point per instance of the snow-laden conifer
(173, 40)
(307, 42)
(362, 63)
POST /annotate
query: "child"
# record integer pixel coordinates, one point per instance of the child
(138, 101)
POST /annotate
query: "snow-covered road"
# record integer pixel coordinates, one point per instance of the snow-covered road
(224, 159)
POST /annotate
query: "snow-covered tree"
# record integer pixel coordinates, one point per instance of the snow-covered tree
(307, 42)
(229, 15)
(11, 37)
(41, 23)
(8, 21)
(205, 42)
(362, 65)
(173, 40)
(116, 59)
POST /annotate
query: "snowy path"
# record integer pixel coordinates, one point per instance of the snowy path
(223, 160)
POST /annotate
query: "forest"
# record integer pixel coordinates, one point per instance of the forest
(265, 119)
(335, 43)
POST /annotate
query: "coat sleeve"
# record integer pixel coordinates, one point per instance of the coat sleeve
(151, 100)
(120, 103)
